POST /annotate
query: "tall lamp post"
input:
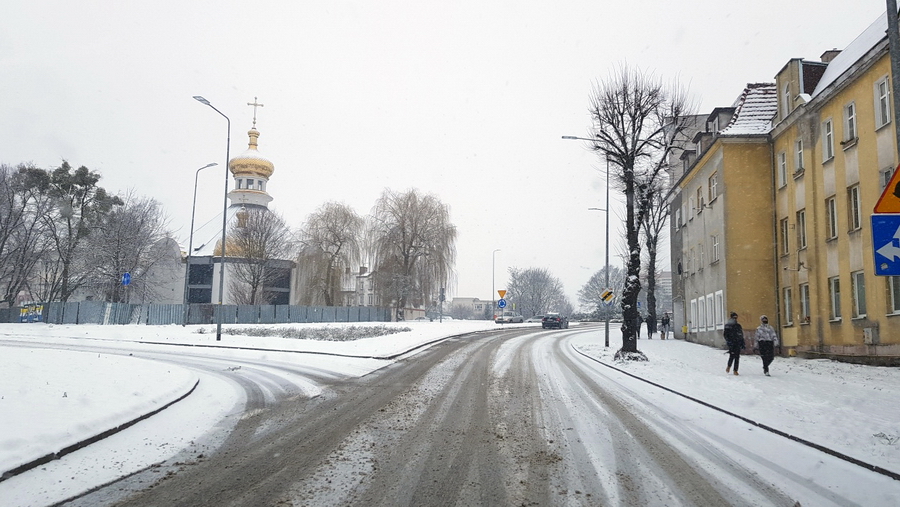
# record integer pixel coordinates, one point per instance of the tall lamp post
(606, 267)
(187, 265)
(201, 100)
(493, 267)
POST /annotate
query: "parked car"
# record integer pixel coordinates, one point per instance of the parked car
(536, 318)
(555, 320)
(509, 318)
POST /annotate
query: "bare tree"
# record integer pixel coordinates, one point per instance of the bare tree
(536, 291)
(590, 294)
(79, 206)
(257, 242)
(636, 120)
(126, 241)
(332, 237)
(414, 247)
(653, 227)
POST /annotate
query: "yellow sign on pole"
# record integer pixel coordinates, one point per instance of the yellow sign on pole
(889, 202)
(502, 293)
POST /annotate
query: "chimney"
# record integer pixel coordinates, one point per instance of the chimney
(829, 55)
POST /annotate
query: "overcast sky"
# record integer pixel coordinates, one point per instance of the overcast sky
(466, 100)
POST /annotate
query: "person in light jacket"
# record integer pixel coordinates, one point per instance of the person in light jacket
(766, 339)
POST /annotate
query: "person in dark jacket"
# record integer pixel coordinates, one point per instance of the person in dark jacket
(734, 339)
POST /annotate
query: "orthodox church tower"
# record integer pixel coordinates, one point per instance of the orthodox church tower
(251, 171)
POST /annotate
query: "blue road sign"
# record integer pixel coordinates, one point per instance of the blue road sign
(886, 243)
(126, 278)
(501, 303)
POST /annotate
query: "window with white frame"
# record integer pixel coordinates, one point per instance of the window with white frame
(684, 214)
(850, 122)
(798, 156)
(677, 221)
(882, 102)
(785, 228)
(885, 177)
(700, 252)
(699, 199)
(249, 184)
(262, 185)
(834, 293)
(713, 186)
(693, 208)
(714, 253)
(858, 289)
(788, 306)
(701, 312)
(827, 140)
(894, 283)
(693, 323)
(801, 229)
(786, 101)
(720, 308)
(830, 218)
(710, 315)
(239, 183)
(804, 302)
(853, 208)
(782, 169)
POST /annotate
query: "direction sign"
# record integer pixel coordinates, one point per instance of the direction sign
(502, 293)
(501, 303)
(886, 243)
(126, 278)
(889, 202)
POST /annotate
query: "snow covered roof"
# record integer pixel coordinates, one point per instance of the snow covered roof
(754, 111)
(867, 40)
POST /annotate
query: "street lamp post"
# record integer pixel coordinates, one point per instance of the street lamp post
(493, 267)
(606, 244)
(187, 265)
(200, 99)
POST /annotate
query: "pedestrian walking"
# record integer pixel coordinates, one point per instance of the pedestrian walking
(766, 339)
(664, 326)
(637, 325)
(734, 339)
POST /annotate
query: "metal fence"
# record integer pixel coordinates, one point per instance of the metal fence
(97, 312)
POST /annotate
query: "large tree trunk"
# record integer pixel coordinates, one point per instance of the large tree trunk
(632, 269)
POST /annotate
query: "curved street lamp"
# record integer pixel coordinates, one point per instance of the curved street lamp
(203, 101)
(606, 268)
(187, 265)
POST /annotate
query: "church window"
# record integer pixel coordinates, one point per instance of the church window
(262, 185)
(249, 184)
(239, 183)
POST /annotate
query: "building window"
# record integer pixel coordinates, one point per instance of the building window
(693, 323)
(701, 316)
(240, 183)
(693, 209)
(853, 207)
(713, 186)
(700, 251)
(720, 308)
(785, 233)
(691, 261)
(798, 156)
(804, 302)
(834, 291)
(858, 289)
(782, 169)
(262, 185)
(894, 282)
(830, 218)
(801, 229)
(710, 316)
(677, 221)
(827, 140)
(788, 304)
(886, 175)
(249, 184)
(714, 240)
(699, 199)
(786, 101)
(850, 122)
(882, 103)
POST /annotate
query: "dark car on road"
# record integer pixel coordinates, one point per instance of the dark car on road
(555, 320)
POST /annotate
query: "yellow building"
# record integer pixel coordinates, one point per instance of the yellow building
(833, 141)
(721, 220)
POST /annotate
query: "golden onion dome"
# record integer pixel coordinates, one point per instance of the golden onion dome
(251, 162)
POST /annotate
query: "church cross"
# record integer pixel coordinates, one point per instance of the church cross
(255, 104)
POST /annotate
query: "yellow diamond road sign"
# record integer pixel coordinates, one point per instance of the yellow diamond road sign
(502, 293)
(607, 296)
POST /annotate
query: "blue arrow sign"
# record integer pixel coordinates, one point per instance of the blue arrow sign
(501, 303)
(126, 278)
(886, 243)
